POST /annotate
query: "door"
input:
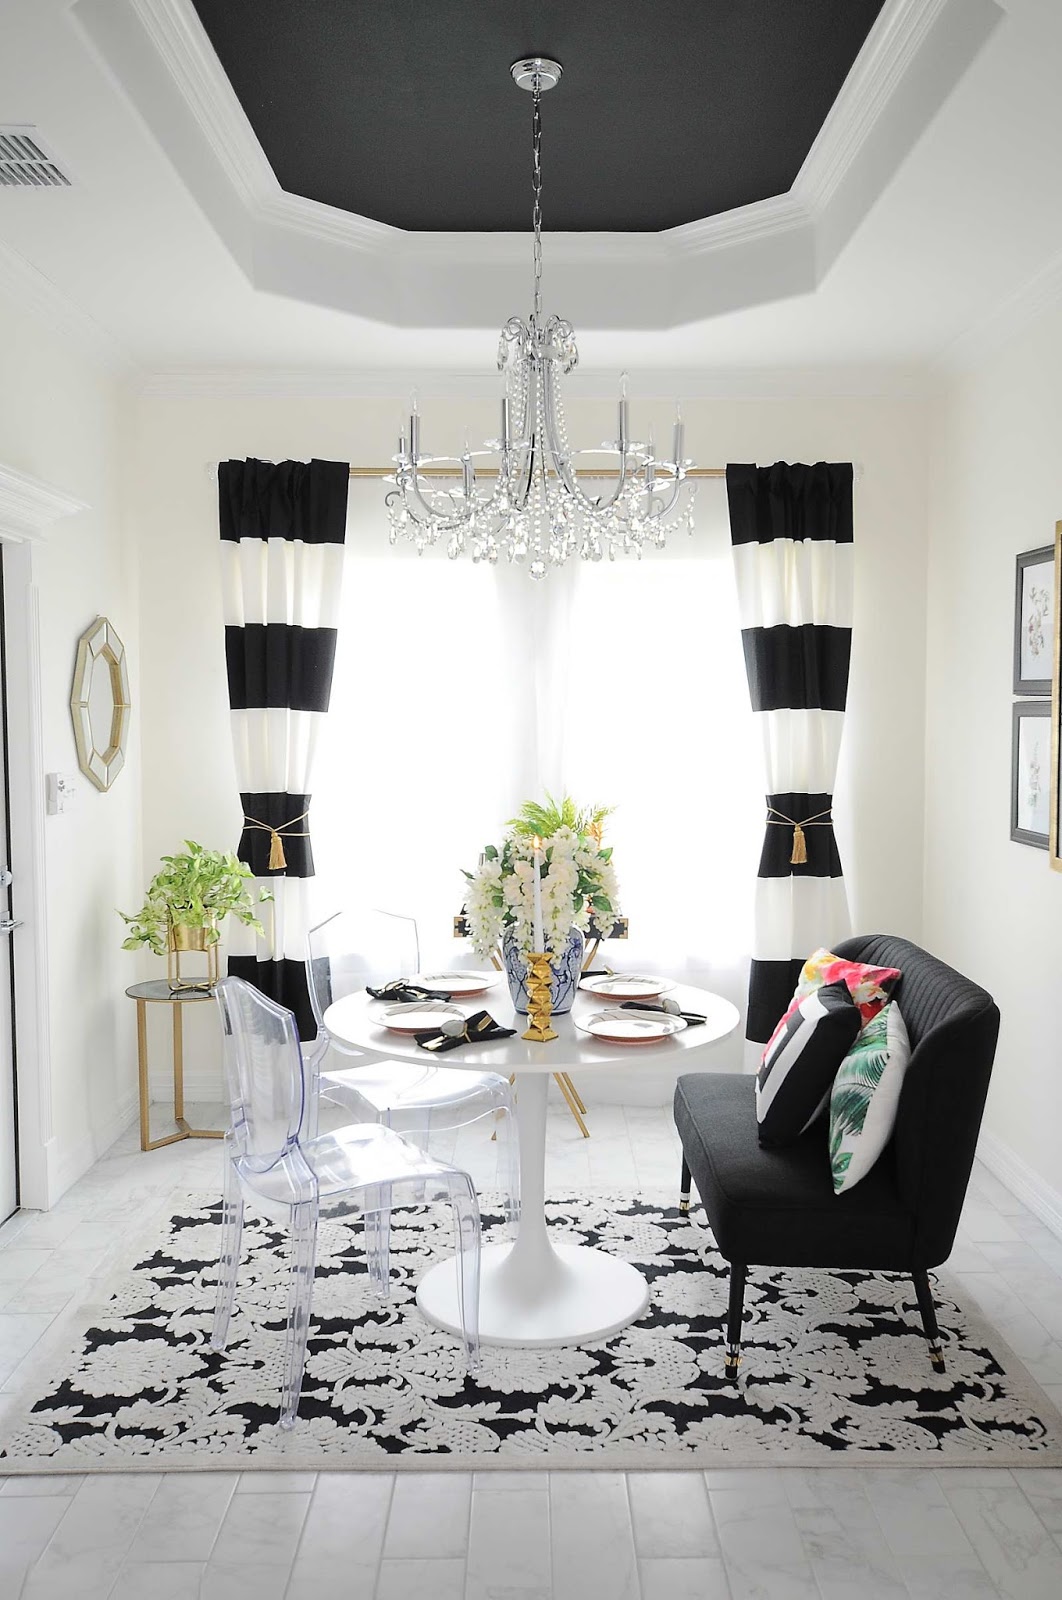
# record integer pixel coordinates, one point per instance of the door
(8, 1140)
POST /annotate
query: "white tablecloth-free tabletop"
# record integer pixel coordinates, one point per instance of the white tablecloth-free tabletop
(535, 1292)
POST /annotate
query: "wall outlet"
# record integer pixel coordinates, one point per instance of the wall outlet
(60, 790)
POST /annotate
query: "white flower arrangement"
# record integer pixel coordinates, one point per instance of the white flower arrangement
(578, 880)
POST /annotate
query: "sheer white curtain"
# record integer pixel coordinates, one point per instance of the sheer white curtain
(460, 691)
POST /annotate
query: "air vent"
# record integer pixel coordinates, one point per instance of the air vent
(26, 161)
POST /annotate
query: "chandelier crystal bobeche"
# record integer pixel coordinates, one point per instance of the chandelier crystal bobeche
(532, 508)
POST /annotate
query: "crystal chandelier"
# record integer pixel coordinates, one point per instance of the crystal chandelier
(532, 508)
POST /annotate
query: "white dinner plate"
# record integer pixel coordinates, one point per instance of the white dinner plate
(455, 983)
(631, 1027)
(627, 986)
(412, 1016)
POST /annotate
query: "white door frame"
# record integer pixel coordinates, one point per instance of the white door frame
(27, 510)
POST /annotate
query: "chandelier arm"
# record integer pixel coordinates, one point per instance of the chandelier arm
(590, 503)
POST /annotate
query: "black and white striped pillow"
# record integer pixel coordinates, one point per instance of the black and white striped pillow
(801, 1061)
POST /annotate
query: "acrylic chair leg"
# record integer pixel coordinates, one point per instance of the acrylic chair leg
(685, 1187)
(466, 1242)
(228, 1257)
(378, 1238)
(300, 1299)
(512, 1164)
(929, 1319)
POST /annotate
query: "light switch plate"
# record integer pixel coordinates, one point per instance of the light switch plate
(59, 792)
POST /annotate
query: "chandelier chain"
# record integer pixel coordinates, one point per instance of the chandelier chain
(536, 181)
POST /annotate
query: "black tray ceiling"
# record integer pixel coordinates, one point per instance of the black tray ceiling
(668, 110)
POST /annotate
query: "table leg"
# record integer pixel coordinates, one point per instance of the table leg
(142, 1074)
(535, 1292)
(178, 1065)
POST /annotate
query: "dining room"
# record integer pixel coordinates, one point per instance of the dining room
(522, 849)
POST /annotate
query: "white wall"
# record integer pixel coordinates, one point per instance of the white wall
(993, 907)
(189, 783)
(60, 422)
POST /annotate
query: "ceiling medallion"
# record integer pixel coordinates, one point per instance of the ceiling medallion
(532, 508)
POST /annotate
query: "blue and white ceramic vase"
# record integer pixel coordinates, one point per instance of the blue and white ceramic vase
(566, 963)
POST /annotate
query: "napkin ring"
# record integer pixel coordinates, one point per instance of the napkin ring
(539, 996)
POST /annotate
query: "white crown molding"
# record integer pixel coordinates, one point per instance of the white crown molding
(647, 384)
(999, 327)
(764, 219)
(28, 507)
(34, 292)
(176, 32)
(299, 248)
(899, 31)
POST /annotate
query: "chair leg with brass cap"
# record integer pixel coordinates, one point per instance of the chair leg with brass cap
(929, 1319)
(735, 1312)
(685, 1186)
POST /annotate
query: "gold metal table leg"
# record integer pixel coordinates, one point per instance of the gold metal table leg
(572, 1107)
(575, 1093)
(178, 1067)
(142, 1074)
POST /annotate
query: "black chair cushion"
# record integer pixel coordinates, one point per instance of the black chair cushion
(776, 1208)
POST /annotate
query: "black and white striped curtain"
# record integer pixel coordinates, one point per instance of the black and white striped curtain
(282, 531)
(791, 528)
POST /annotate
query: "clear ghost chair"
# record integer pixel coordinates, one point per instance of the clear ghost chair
(347, 952)
(290, 1177)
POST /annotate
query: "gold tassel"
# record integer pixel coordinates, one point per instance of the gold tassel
(800, 848)
(278, 860)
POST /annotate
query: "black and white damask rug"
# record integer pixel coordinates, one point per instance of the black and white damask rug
(834, 1372)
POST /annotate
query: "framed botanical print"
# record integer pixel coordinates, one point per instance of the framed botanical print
(1056, 707)
(1034, 621)
(1030, 773)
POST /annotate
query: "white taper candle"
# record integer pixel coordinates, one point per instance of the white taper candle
(536, 856)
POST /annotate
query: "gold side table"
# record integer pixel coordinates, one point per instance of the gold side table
(158, 992)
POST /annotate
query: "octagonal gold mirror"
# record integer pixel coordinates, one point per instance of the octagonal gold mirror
(99, 703)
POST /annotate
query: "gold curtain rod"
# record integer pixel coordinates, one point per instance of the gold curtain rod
(492, 472)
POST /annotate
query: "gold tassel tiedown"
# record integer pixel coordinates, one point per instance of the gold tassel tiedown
(778, 819)
(277, 859)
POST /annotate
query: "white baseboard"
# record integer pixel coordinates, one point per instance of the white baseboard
(65, 1167)
(1022, 1181)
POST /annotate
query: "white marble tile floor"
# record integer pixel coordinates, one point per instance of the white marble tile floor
(768, 1534)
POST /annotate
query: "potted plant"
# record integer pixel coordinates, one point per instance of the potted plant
(577, 881)
(187, 900)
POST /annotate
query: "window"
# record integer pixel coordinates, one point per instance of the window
(460, 691)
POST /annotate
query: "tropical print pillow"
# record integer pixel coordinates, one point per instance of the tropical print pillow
(866, 1095)
(869, 987)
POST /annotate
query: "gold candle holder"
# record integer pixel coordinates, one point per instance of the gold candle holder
(539, 999)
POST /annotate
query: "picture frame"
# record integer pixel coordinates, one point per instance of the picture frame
(1031, 786)
(1034, 621)
(1056, 710)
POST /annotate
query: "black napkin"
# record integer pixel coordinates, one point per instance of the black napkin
(480, 1026)
(691, 1017)
(399, 991)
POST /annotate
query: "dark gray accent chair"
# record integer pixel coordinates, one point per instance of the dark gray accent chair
(776, 1207)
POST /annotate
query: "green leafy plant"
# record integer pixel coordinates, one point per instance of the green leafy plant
(198, 889)
(542, 822)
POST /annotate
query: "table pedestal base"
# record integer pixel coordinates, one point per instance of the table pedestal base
(572, 1296)
(537, 1292)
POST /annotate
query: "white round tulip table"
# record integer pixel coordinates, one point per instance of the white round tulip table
(537, 1291)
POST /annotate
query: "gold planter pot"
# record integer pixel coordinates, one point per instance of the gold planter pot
(183, 939)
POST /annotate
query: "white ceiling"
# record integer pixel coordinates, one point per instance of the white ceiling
(967, 222)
